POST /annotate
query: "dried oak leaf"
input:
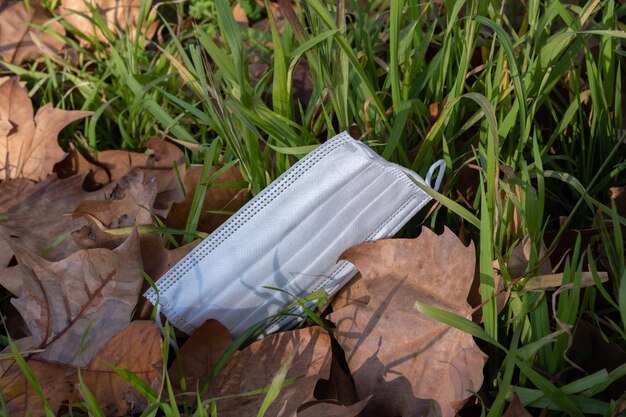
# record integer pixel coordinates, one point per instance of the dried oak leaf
(407, 361)
(136, 348)
(224, 195)
(29, 148)
(198, 356)
(119, 15)
(19, 41)
(59, 301)
(256, 366)
(329, 409)
(40, 214)
(516, 409)
(156, 162)
(128, 204)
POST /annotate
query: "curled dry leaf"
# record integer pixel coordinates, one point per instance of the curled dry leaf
(516, 409)
(137, 348)
(119, 15)
(28, 144)
(401, 357)
(224, 195)
(18, 39)
(157, 161)
(255, 367)
(59, 301)
(128, 204)
(520, 258)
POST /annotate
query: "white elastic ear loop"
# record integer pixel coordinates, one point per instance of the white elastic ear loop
(441, 165)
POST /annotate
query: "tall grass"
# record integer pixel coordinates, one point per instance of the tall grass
(524, 100)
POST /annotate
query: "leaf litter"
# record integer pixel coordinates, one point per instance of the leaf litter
(77, 271)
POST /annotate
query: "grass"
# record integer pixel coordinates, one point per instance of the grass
(526, 99)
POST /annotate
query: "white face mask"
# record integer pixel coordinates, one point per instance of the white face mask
(290, 236)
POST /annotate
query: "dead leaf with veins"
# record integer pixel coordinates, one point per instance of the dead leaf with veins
(137, 348)
(95, 289)
(128, 204)
(29, 149)
(119, 15)
(409, 363)
(38, 216)
(256, 366)
(19, 40)
(224, 196)
(157, 161)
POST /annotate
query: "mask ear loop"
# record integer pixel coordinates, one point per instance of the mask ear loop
(441, 165)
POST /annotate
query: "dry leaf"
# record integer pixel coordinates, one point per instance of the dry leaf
(327, 409)
(516, 409)
(17, 42)
(136, 348)
(255, 368)
(240, 15)
(128, 204)
(217, 198)
(59, 301)
(118, 14)
(30, 148)
(198, 356)
(156, 162)
(40, 215)
(520, 257)
(401, 357)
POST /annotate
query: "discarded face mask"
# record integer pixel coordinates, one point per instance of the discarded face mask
(290, 237)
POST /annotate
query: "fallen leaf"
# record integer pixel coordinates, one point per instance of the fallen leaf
(136, 348)
(239, 14)
(119, 15)
(16, 33)
(40, 215)
(224, 195)
(94, 289)
(327, 409)
(128, 204)
(516, 409)
(255, 367)
(198, 356)
(157, 162)
(407, 361)
(520, 257)
(30, 149)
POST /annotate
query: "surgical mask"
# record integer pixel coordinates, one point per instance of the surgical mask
(290, 236)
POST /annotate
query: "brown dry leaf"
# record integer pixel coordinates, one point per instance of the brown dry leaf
(516, 409)
(328, 409)
(118, 14)
(403, 358)
(520, 257)
(156, 162)
(30, 148)
(59, 301)
(41, 214)
(199, 355)
(256, 366)
(136, 348)
(240, 15)
(127, 205)
(618, 195)
(18, 40)
(218, 198)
